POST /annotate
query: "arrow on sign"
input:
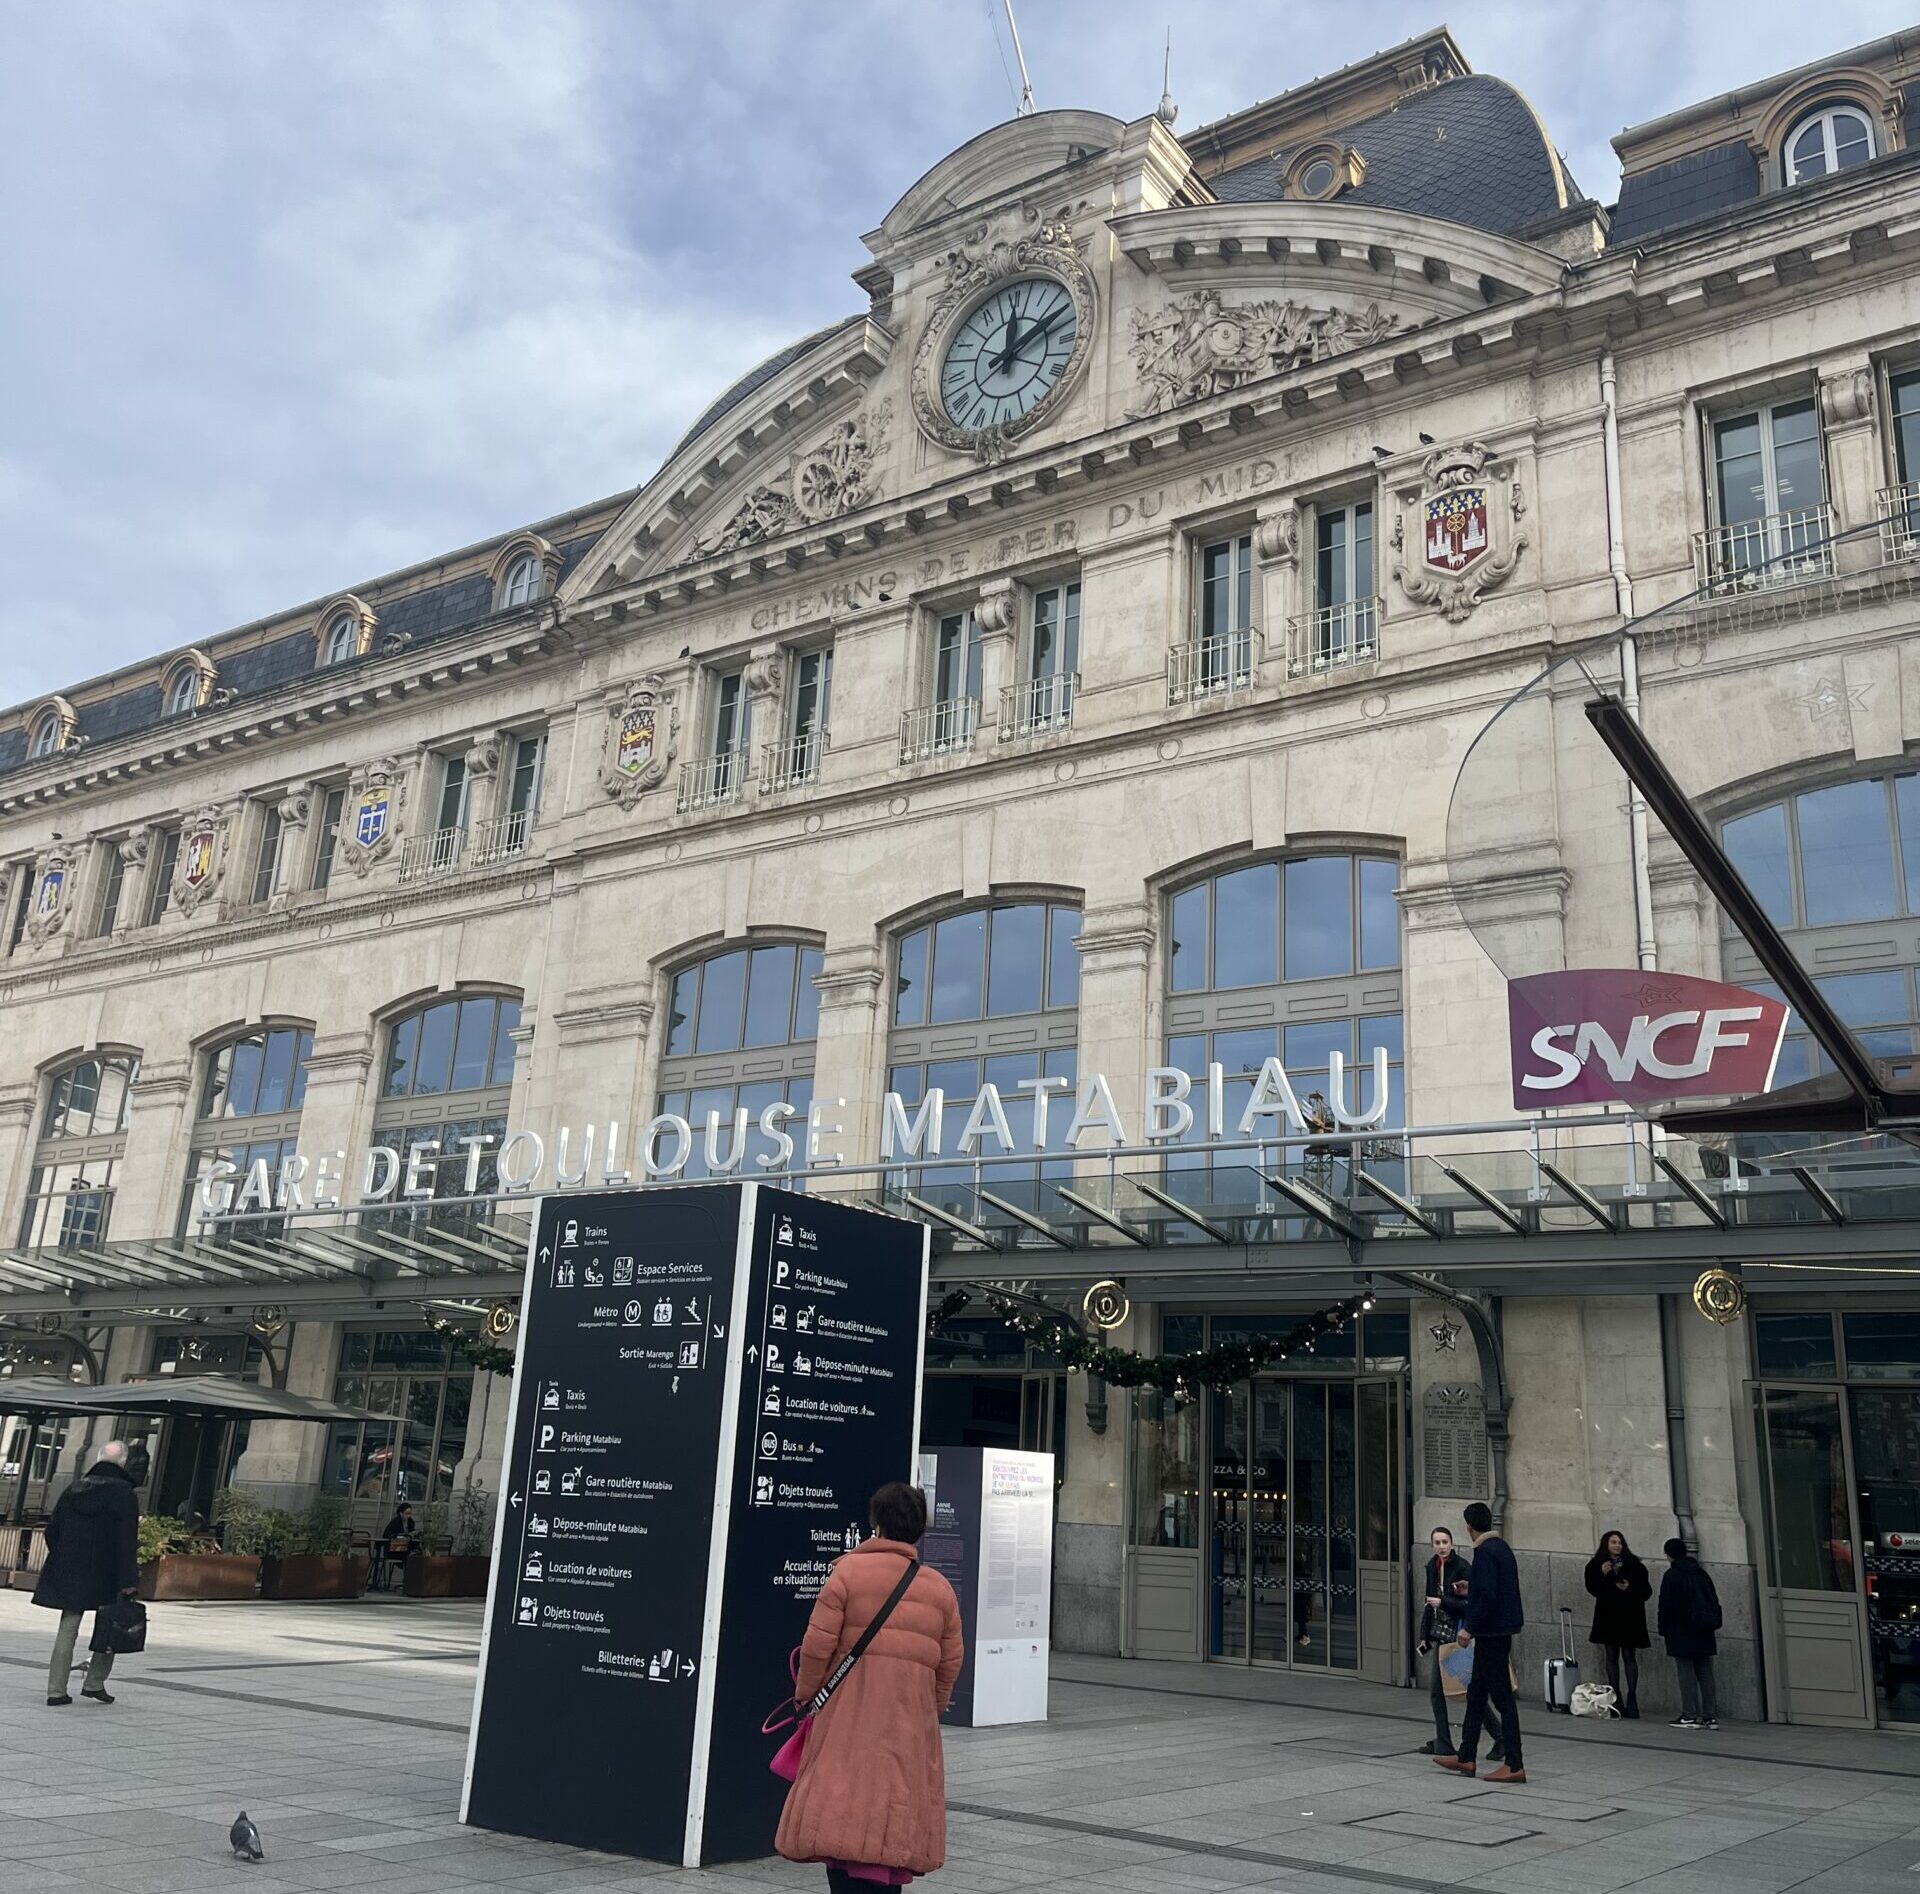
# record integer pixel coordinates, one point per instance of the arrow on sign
(753, 1353)
(686, 1667)
(544, 1252)
(513, 1499)
(719, 1332)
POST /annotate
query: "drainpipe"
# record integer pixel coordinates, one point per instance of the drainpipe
(1678, 1470)
(1629, 663)
(1679, 1474)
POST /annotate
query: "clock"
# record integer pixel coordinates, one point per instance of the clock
(1006, 340)
(1009, 353)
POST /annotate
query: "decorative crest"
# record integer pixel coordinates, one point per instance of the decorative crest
(203, 857)
(640, 740)
(370, 817)
(1467, 543)
(831, 477)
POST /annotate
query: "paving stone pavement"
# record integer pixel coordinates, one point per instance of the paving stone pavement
(341, 1729)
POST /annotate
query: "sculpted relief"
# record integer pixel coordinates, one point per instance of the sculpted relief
(1199, 345)
(834, 475)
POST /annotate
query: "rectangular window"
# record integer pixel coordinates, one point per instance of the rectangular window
(266, 862)
(21, 908)
(529, 766)
(812, 692)
(1904, 393)
(1225, 625)
(1345, 621)
(1055, 651)
(110, 892)
(1769, 495)
(163, 857)
(329, 840)
(957, 659)
(453, 794)
(731, 713)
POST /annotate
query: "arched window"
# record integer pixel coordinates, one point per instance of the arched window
(521, 583)
(1838, 868)
(740, 1033)
(249, 1110)
(1834, 139)
(76, 1161)
(991, 997)
(446, 1079)
(46, 734)
(1291, 959)
(341, 640)
(183, 694)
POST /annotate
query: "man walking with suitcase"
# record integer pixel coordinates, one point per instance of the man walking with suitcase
(1493, 1619)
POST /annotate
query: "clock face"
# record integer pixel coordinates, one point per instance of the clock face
(1009, 354)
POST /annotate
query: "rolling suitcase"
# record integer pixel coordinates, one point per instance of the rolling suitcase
(1561, 1674)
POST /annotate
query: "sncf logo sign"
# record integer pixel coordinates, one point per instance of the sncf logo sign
(1618, 1034)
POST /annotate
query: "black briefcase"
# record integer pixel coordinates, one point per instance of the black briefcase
(120, 1627)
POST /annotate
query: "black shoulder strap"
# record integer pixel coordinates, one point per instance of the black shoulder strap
(818, 1702)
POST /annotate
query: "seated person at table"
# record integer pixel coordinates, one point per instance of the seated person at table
(398, 1534)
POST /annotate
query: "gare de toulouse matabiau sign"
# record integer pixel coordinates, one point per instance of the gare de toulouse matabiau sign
(1582, 1036)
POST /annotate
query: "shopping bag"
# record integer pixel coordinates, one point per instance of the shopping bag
(1456, 1669)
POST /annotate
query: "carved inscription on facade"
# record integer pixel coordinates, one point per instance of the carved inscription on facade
(1453, 1442)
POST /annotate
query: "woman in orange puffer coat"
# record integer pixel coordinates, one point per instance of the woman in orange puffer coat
(870, 1800)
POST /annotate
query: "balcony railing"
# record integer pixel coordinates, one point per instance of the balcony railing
(938, 729)
(791, 761)
(1040, 705)
(713, 781)
(437, 853)
(1213, 667)
(1333, 637)
(1900, 523)
(1777, 549)
(500, 836)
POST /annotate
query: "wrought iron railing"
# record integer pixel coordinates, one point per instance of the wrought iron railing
(499, 837)
(1213, 667)
(938, 729)
(437, 853)
(1777, 549)
(1899, 509)
(1334, 636)
(1040, 705)
(791, 761)
(713, 781)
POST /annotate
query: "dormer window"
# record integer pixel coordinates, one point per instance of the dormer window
(189, 682)
(521, 583)
(1317, 179)
(342, 639)
(183, 694)
(1323, 169)
(1835, 139)
(46, 734)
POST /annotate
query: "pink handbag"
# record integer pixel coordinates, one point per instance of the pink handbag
(796, 1717)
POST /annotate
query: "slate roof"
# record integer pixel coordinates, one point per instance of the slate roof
(433, 612)
(1702, 184)
(759, 377)
(1470, 151)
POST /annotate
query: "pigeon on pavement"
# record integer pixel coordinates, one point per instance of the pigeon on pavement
(246, 1839)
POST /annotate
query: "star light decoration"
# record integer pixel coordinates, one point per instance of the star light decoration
(1445, 1333)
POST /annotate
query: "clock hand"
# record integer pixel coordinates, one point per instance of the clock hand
(1005, 358)
(1038, 330)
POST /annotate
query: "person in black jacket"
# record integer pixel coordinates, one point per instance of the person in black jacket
(93, 1543)
(1446, 1605)
(1689, 1616)
(1619, 1586)
(1494, 1618)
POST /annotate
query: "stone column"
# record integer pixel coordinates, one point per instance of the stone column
(337, 1114)
(1855, 464)
(285, 1460)
(602, 1060)
(153, 1173)
(997, 614)
(1276, 538)
(850, 1055)
(295, 810)
(19, 1106)
(138, 853)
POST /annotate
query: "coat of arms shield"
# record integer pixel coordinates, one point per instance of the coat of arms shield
(196, 858)
(1456, 528)
(370, 818)
(634, 750)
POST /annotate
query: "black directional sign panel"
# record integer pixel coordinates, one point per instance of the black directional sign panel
(711, 1382)
(828, 1411)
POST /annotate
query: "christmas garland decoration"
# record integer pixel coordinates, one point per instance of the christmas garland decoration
(473, 1349)
(1179, 1375)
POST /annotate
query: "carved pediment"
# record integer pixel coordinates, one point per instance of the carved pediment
(831, 475)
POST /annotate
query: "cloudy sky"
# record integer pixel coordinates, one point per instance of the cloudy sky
(295, 294)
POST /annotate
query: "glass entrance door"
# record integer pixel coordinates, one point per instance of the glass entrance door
(1290, 1482)
(1886, 1456)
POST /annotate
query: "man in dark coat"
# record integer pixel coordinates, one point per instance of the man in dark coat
(93, 1544)
(1689, 1616)
(1493, 1620)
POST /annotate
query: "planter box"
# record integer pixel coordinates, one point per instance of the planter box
(199, 1575)
(314, 1575)
(445, 1575)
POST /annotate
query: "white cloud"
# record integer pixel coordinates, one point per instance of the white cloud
(295, 295)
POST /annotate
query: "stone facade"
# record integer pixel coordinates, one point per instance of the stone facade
(1359, 353)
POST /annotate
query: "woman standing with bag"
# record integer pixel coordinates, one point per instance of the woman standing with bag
(870, 1798)
(1619, 1586)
